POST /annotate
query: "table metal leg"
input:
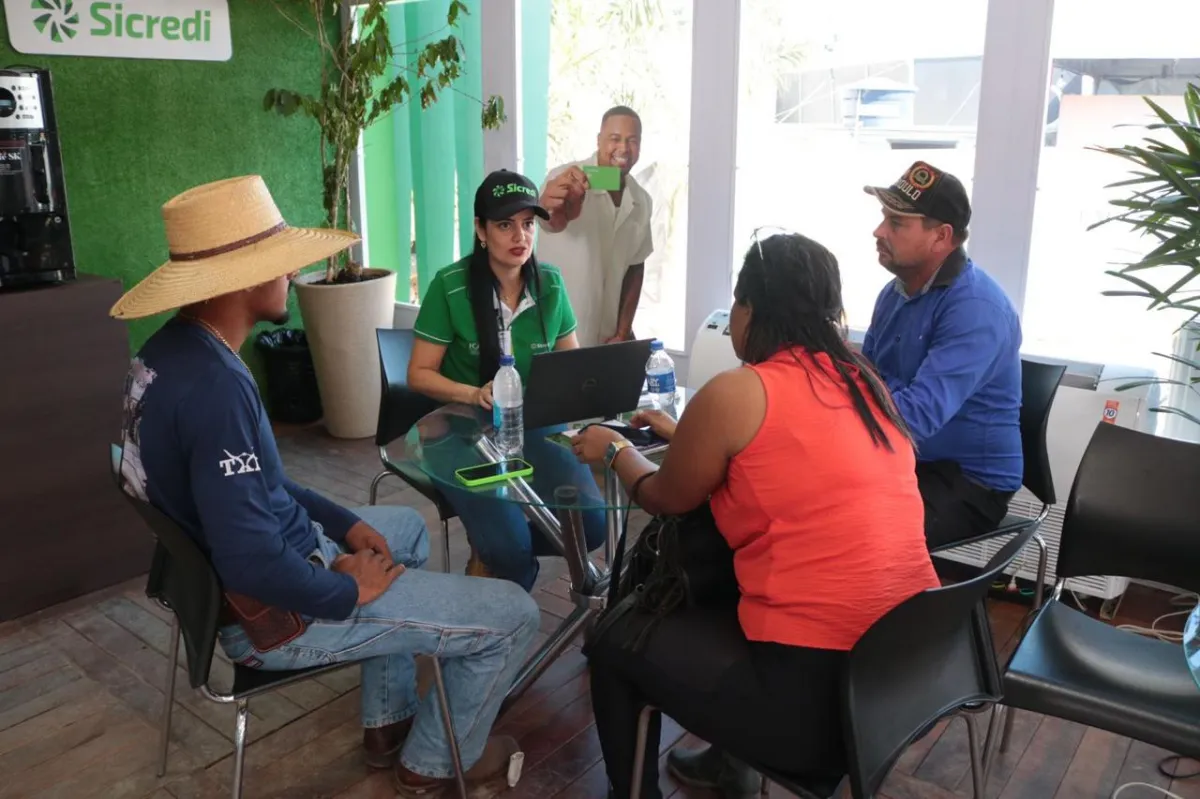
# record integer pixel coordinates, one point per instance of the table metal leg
(548, 652)
(536, 511)
(615, 516)
(564, 529)
(570, 520)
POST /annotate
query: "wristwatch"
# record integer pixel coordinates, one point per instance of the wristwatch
(614, 449)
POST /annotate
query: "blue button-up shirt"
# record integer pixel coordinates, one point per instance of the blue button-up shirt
(951, 357)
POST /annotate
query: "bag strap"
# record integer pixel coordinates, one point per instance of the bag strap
(614, 579)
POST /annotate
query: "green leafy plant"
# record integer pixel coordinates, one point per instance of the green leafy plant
(1165, 206)
(355, 92)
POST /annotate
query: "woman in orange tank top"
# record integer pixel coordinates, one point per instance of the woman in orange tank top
(809, 472)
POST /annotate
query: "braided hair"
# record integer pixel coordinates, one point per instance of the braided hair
(794, 290)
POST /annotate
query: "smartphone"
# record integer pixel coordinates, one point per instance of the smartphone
(487, 473)
(605, 178)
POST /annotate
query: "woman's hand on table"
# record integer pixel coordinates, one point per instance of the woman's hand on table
(660, 423)
(591, 443)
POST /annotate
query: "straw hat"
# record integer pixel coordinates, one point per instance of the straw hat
(224, 237)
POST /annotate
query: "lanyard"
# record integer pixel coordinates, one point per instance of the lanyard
(499, 312)
(505, 334)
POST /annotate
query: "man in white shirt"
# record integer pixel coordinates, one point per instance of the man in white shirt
(599, 239)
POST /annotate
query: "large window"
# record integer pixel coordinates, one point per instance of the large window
(833, 98)
(1104, 62)
(614, 52)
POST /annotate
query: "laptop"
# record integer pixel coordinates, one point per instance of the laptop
(588, 383)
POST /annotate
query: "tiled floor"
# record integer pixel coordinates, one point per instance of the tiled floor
(81, 691)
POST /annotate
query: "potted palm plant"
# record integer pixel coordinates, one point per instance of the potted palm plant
(343, 304)
(1164, 205)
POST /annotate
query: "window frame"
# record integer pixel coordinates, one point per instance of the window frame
(1015, 79)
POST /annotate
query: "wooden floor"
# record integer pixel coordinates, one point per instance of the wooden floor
(81, 693)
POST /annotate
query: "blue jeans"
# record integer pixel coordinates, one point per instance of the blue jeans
(499, 531)
(480, 630)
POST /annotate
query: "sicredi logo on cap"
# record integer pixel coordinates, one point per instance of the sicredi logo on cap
(188, 30)
(920, 178)
(512, 188)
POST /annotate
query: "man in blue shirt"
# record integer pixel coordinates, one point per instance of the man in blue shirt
(306, 581)
(946, 340)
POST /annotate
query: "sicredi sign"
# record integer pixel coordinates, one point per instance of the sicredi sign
(182, 30)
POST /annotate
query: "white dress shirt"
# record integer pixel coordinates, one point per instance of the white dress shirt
(595, 251)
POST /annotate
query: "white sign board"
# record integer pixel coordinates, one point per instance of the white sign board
(179, 30)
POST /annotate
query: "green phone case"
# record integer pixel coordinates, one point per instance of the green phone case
(605, 178)
(525, 470)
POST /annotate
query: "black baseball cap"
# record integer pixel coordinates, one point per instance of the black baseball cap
(925, 190)
(503, 193)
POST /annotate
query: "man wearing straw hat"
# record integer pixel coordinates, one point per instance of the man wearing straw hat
(306, 581)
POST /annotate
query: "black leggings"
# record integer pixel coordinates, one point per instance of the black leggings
(770, 704)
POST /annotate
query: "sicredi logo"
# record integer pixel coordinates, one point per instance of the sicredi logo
(191, 30)
(512, 188)
(56, 19)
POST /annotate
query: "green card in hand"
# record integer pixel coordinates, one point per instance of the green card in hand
(604, 178)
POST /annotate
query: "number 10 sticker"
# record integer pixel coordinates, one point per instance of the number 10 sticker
(1110, 411)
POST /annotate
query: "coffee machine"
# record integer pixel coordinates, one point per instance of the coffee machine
(35, 232)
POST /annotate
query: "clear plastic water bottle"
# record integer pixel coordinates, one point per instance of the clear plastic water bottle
(508, 409)
(660, 378)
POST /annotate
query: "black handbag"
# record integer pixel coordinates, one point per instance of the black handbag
(677, 561)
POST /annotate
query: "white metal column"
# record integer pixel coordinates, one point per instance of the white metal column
(502, 76)
(1012, 117)
(712, 158)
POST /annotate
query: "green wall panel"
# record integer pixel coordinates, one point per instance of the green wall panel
(432, 157)
(382, 229)
(136, 132)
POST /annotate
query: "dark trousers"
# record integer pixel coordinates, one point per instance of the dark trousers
(770, 704)
(956, 508)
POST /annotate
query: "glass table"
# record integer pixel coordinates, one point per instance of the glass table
(553, 498)
(1191, 643)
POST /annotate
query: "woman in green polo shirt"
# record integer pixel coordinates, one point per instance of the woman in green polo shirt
(499, 292)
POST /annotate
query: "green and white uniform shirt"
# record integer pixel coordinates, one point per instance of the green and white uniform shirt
(445, 318)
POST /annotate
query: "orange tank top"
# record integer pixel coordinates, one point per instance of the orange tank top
(827, 528)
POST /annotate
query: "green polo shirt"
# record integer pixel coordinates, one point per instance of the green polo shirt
(445, 318)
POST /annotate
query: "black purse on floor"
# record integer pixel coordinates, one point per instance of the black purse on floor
(677, 561)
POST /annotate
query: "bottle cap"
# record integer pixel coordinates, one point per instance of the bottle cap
(507, 360)
(656, 345)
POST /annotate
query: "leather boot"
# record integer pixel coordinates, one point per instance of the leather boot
(710, 767)
(488, 777)
(382, 743)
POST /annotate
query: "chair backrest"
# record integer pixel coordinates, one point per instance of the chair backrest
(1039, 385)
(399, 406)
(1134, 510)
(182, 576)
(929, 655)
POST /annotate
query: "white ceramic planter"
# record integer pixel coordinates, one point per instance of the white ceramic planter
(341, 321)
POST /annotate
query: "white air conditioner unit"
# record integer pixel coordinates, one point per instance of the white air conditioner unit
(1087, 396)
(712, 351)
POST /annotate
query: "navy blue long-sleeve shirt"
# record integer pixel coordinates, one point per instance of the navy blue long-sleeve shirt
(951, 356)
(198, 445)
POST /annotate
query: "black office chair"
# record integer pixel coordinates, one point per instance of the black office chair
(929, 657)
(1039, 385)
(182, 580)
(1132, 512)
(399, 409)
